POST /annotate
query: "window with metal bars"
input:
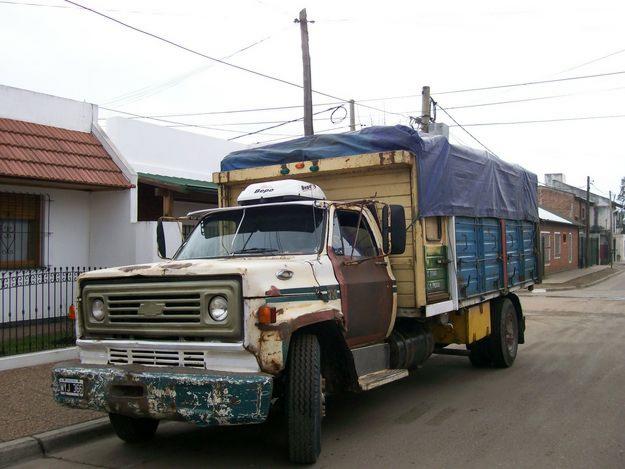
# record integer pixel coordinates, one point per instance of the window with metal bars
(21, 230)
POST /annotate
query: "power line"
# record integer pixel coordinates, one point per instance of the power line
(146, 91)
(281, 124)
(181, 124)
(236, 111)
(467, 132)
(223, 62)
(192, 51)
(542, 121)
(528, 83)
(598, 59)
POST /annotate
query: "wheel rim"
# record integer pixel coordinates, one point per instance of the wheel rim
(510, 335)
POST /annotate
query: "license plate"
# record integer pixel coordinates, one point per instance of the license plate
(71, 387)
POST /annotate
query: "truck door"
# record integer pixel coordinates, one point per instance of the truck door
(364, 280)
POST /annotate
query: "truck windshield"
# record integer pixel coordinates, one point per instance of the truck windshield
(271, 230)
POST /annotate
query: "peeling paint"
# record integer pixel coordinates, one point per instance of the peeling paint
(197, 396)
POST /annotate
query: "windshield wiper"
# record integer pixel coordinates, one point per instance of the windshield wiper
(254, 250)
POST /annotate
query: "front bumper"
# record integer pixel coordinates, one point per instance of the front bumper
(202, 397)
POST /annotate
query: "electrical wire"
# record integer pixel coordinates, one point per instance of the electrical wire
(192, 51)
(214, 59)
(529, 83)
(151, 90)
(167, 121)
(598, 59)
(541, 121)
(462, 127)
(333, 109)
(236, 111)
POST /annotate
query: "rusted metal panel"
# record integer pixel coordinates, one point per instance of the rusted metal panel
(197, 396)
(47, 153)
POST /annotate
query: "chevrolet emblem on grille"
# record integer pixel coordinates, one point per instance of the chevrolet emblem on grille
(151, 308)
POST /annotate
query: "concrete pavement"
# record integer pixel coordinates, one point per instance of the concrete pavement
(560, 405)
(27, 406)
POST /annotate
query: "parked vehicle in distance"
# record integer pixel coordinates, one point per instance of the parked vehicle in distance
(323, 271)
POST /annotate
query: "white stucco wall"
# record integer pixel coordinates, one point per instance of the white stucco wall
(156, 149)
(29, 106)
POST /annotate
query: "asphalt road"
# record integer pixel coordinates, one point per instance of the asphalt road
(562, 404)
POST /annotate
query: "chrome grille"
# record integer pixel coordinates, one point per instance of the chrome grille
(178, 307)
(184, 358)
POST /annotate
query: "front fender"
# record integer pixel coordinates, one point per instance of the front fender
(270, 342)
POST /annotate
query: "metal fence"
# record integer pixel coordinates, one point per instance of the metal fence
(34, 308)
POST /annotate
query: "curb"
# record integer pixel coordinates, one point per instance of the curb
(38, 358)
(586, 285)
(12, 452)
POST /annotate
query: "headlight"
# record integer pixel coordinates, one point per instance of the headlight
(97, 310)
(218, 308)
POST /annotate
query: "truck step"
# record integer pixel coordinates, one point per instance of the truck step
(378, 378)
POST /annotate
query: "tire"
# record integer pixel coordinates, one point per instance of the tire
(133, 430)
(479, 354)
(504, 338)
(304, 399)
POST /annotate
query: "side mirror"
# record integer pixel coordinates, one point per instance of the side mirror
(393, 229)
(160, 240)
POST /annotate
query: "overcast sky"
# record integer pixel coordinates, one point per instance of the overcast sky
(360, 50)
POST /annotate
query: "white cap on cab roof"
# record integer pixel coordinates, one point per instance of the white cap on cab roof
(280, 191)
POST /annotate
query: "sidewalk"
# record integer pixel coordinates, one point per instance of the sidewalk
(28, 407)
(580, 278)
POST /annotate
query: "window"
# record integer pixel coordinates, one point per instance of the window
(433, 231)
(20, 230)
(262, 231)
(546, 245)
(557, 241)
(348, 237)
(570, 245)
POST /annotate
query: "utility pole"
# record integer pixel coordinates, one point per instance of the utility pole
(587, 263)
(611, 233)
(425, 109)
(308, 118)
(352, 115)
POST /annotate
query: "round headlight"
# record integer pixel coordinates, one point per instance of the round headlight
(218, 308)
(97, 310)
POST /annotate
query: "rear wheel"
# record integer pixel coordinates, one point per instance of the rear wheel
(504, 338)
(304, 399)
(133, 430)
(501, 346)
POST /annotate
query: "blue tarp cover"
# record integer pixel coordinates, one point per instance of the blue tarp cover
(453, 179)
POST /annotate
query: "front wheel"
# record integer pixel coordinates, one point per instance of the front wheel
(304, 399)
(133, 430)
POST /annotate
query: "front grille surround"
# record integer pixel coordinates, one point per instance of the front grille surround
(163, 308)
(147, 357)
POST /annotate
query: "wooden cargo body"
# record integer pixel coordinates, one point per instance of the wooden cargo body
(449, 262)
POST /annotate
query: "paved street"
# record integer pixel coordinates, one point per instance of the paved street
(561, 405)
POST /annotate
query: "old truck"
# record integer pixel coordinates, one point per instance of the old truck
(333, 264)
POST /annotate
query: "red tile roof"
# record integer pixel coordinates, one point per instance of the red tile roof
(45, 153)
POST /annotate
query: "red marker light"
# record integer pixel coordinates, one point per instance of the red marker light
(299, 165)
(72, 312)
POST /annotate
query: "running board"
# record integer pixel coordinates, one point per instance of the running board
(378, 378)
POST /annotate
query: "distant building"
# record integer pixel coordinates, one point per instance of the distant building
(559, 240)
(569, 202)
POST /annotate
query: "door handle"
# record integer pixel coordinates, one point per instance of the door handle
(384, 263)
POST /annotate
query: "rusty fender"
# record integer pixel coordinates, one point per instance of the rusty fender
(275, 338)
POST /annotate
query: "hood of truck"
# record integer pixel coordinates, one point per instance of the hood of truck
(259, 274)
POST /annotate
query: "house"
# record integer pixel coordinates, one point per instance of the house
(559, 240)
(74, 196)
(569, 202)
